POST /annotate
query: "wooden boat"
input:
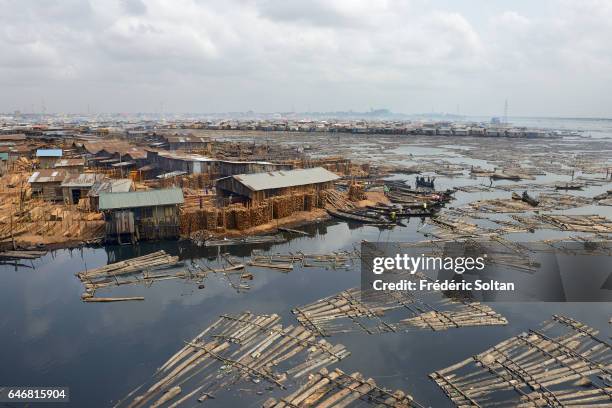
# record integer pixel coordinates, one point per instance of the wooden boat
(403, 212)
(421, 182)
(349, 216)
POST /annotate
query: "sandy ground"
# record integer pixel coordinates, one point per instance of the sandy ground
(373, 198)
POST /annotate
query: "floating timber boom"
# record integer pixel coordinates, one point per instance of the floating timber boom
(151, 261)
(234, 349)
(563, 365)
(356, 309)
(337, 389)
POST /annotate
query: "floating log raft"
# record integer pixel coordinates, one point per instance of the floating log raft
(579, 223)
(564, 364)
(354, 309)
(334, 260)
(155, 260)
(141, 271)
(257, 239)
(234, 349)
(337, 389)
(29, 254)
(545, 202)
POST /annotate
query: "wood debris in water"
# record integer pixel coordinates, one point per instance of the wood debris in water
(22, 254)
(564, 364)
(354, 309)
(547, 202)
(339, 259)
(141, 270)
(337, 389)
(234, 349)
(578, 223)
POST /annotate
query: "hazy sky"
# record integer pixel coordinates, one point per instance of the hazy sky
(546, 57)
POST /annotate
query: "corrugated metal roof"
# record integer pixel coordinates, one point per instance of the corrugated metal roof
(49, 153)
(82, 180)
(148, 198)
(69, 162)
(285, 178)
(47, 176)
(111, 186)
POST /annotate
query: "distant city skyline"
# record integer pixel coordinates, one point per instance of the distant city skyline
(549, 58)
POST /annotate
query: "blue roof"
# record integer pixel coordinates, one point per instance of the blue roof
(49, 153)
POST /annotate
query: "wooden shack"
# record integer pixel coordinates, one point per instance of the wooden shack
(77, 186)
(108, 186)
(254, 188)
(141, 215)
(48, 157)
(46, 184)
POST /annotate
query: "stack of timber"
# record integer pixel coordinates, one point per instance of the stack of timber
(355, 309)
(235, 349)
(336, 200)
(356, 192)
(564, 364)
(337, 389)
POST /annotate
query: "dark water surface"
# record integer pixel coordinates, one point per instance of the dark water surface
(103, 351)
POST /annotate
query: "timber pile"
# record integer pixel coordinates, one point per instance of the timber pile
(356, 309)
(337, 389)
(234, 349)
(356, 192)
(336, 199)
(240, 217)
(564, 364)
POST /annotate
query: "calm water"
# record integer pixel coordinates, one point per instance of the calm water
(103, 351)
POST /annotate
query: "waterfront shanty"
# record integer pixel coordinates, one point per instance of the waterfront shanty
(48, 157)
(141, 215)
(77, 186)
(108, 186)
(253, 188)
(46, 183)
